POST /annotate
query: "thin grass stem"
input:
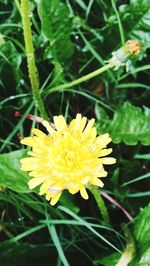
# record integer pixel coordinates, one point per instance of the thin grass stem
(119, 23)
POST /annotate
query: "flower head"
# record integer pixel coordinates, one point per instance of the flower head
(70, 157)
(133, 47)
(120, 57)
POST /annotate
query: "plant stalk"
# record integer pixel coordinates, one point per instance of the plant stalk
(101, 204)
(129, 251)
(32, 70)
(82, 79)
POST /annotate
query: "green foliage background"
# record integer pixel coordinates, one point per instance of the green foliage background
(73, 38)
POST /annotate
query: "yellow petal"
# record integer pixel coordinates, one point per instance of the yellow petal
(108, 160)
(27, 167)
(89, 126)
(60, 122)
(30, 141)
(75, 124)
(78, 117)
(34, 182)
(38, 132)
(103, 140)
(48, 196)
(73, 189)
(44, 187)
(47, 125)
(55, 199)
(102, 173)
(93, 133)
(104, 152)
(84, 193)
(28, 164)
(83, 123)
(97, 182)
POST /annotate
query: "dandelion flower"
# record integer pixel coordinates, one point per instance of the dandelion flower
(69, 157)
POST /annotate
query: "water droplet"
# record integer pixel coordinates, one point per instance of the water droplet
(76, 37)
(20, 219)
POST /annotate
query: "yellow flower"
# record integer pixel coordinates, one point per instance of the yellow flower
(70, 157)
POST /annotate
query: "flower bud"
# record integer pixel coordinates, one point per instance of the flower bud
(120, 57)
(133, 47)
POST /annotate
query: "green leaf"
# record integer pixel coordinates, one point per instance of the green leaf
(108, 260)
(11, 175)
(130, 124)
(101, 115)
(136, 21)
(103, 119)
(145, 258)
(142, 230)
(57, 27)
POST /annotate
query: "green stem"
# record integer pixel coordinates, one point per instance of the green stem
(82, 79)
(33, 75)
(119, 23)
(129, 251)
(18, 6)
(101, 204)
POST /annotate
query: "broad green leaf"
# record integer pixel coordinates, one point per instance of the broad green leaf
(11, 176)
(145, 258)
(142, 230)
(130, 124)
(56, 26)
